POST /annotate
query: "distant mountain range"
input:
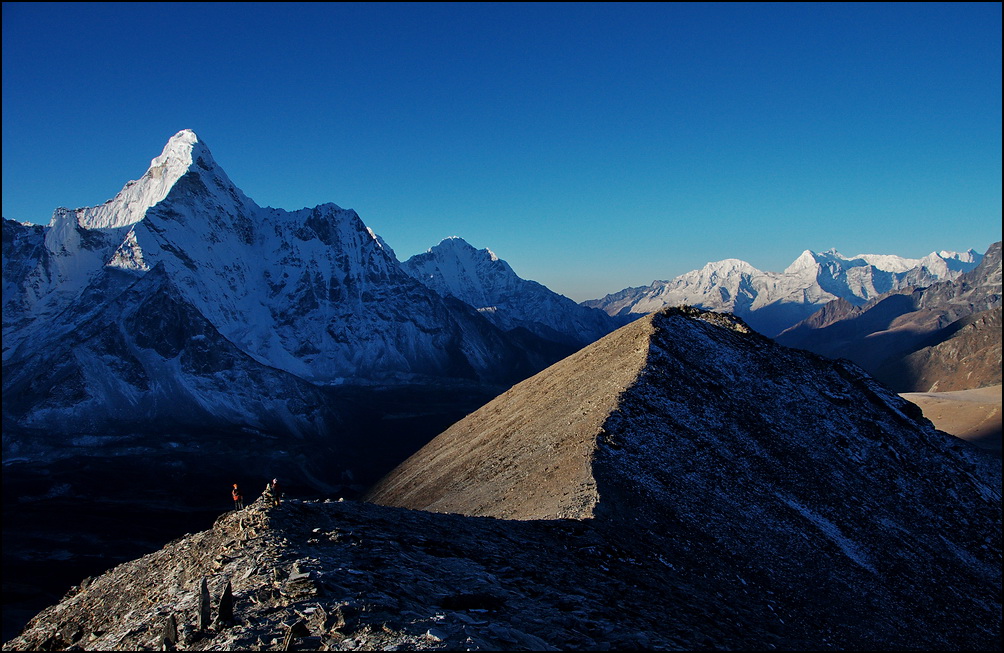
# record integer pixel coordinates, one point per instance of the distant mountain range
(941, 337)
(182, 302)
(772, 302)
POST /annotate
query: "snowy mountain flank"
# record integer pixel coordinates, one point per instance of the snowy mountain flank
(181, 298)
(771, 302)
(479, 278)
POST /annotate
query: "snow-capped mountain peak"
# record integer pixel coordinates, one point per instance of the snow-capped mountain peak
(729, 266)
(182, 148)
(455, 267)
(481, 279)
(458, 244)
(968, 256)
(807, 260)
(129, 206)
(313, 293)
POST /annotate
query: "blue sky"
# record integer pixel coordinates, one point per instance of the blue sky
(593, 146)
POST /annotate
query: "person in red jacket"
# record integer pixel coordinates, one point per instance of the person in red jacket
(238, 498)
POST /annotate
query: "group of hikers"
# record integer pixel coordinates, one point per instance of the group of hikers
(271, 495)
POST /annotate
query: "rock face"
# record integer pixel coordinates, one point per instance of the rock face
(181, 300)
(909, 338)
(481, 279)
(772, 302)
(679, 505)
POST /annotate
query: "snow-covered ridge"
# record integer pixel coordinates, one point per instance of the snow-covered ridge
(130, 204)
(461, 248)
(455, 267)
(481, 279)
(942, 261)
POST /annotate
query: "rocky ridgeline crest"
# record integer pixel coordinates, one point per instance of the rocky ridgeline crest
(355, 576)
(350, 576)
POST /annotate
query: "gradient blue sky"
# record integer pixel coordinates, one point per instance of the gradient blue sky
(593, 146)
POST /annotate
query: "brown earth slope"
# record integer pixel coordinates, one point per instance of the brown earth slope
(527, 453)
(973, 415)
(664, 415)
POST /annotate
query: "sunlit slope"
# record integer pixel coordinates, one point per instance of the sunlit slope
(527, 454)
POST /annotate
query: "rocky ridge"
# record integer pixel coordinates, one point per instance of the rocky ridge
(815, 511)
(965, 355)
(694, 429)
(353, 576)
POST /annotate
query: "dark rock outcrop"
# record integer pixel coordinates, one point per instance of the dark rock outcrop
(225, 607)
(169, 638)
(205, 607)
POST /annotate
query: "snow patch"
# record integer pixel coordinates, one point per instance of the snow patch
(830, 530)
